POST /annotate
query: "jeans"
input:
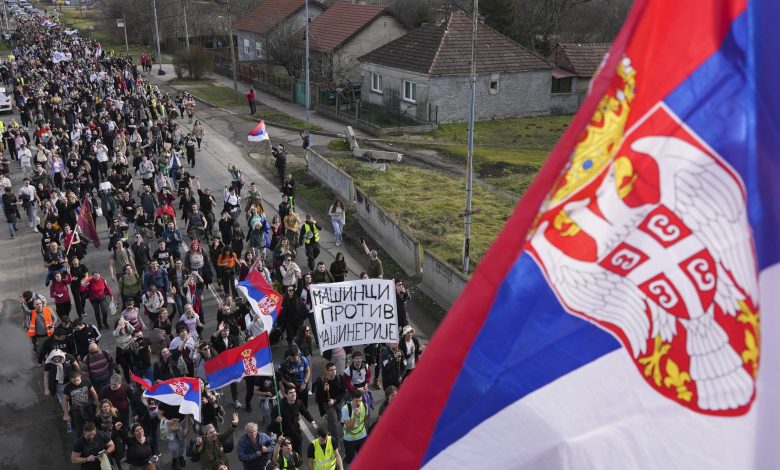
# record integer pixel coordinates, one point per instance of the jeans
(32, 213)
(338, 229)
(351, 449)
(10, 216)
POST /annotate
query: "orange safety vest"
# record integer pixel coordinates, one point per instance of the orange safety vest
(47, 319)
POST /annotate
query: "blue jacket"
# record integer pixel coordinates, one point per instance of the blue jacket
(247, 451)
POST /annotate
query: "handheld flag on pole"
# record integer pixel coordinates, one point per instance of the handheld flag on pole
(261, 296)
(86, 223)
(183, 392)
(232, 365)
(616, 318)
(259, 133)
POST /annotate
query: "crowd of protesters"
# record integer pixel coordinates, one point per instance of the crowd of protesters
(96, 140)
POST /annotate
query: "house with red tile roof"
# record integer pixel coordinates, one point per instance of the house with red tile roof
(344, 32)
(255, 28)
(425, 74)
(576, 65)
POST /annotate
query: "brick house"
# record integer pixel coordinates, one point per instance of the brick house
(346, 31)
(425, 74)
(253, 29)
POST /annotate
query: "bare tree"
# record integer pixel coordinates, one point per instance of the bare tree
(284, 47)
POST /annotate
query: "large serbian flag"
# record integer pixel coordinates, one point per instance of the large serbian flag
(259, 133)
(619, 319)
(232, 365)
(261, 296)
(183, 392)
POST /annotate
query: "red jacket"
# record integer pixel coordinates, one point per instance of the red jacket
(59, 290)
(250, 96)
(96, 289)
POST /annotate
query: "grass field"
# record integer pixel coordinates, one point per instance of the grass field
(507, 152)
(431, 204)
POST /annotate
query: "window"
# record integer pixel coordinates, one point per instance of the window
(494, 83)
(259, 49)
(246, 46)
(561, 85)
(410, 91)
(376, 83)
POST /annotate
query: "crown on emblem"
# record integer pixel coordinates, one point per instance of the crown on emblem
(601, 138)
(246, 353)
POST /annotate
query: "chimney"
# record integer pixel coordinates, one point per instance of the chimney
(439, 16)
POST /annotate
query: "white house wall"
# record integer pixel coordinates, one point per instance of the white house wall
(381, 31)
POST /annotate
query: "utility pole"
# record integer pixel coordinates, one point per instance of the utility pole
(157, 38)
(306, 63)
(5, 14)
(186, 30)
(124, 27)
(232, 52)
(470, 155)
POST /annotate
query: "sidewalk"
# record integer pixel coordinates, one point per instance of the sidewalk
(279, 104)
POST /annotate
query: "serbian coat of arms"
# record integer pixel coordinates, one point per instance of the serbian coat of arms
(645, 234)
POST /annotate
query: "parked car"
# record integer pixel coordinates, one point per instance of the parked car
(6, 103)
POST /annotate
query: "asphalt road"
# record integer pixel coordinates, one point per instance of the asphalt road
(32, 433)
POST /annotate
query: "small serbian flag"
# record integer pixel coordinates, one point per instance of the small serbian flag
(183, 392)
(232, 365)
(259, 133)
(265, 301)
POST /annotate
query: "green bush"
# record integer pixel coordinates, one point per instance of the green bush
(195, 62)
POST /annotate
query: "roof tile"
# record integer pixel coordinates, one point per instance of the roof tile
(267, 15)
(582, 59)
(445, 49)
(339, 23)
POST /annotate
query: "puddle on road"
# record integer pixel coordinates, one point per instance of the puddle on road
(19, 374)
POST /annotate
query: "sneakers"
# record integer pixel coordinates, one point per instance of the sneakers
(338, 243)
(236, 404)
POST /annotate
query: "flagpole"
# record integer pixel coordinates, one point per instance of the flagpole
(273, 376)
(78, 218)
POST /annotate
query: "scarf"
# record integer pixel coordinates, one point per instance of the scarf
(60, 374)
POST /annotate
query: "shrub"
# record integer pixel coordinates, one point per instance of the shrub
(195, 61)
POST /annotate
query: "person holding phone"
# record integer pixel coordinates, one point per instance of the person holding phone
(90, 447)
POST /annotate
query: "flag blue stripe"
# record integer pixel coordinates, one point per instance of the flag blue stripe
(235, 372)
(504, 365)
(716, 102)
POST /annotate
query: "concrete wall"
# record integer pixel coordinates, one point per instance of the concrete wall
(401, 246)
(565, 103)
(519, 94)
(331, 176)
(440, 281)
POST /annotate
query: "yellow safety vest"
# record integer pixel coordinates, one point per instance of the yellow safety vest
(360, 424)
(324, 459)
(311, 228)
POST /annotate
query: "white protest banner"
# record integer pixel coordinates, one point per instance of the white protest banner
(355, 312)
